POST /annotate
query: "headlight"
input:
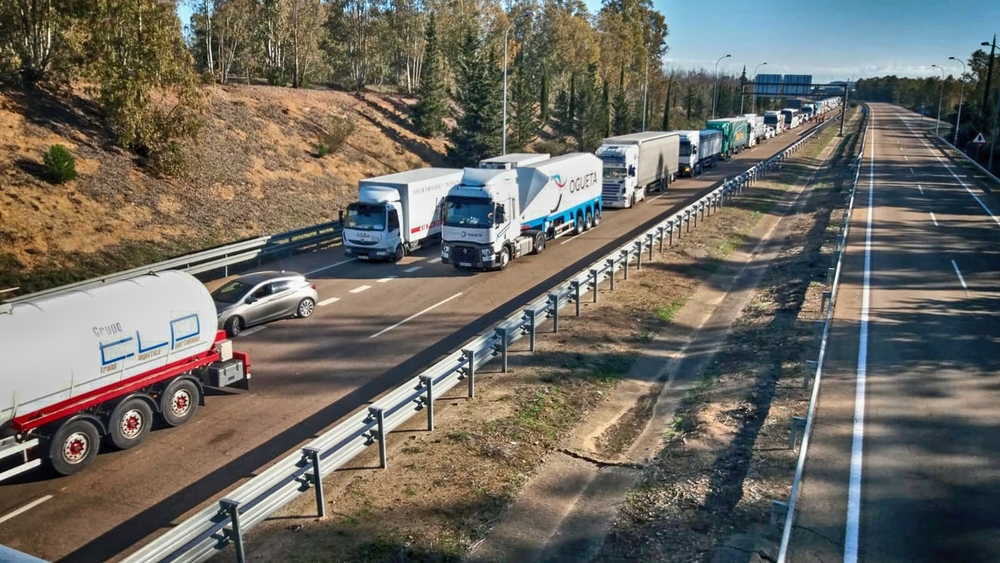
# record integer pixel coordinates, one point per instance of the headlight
(445, 249)
(487, 253)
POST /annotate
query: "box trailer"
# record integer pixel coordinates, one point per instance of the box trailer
(495, 216)
(734, 134)
(637, 163)
(699, 150)
(397, 213)
(757, 129)
(512, 160)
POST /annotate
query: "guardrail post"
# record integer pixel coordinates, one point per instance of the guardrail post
(593, 279)
(427, 382)
(671, 242)
(694, 215)
(798, 428)
(625, 261)
(554, 303)
(659, 232)
(650, 242)
(830, 273)
(576, 296)
(638, 255)
(701, 211)
(317, 479)
(779, 510)
(611, 269)
(531, 331)
(379, 415)
(236, 533)
(470, 371)
(810, 369)
(687, 219)
(503, 334)
(824, 301)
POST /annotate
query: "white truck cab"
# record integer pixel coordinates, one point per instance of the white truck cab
(620, 175)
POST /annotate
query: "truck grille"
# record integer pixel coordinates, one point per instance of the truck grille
(610, 191)
(461, 253)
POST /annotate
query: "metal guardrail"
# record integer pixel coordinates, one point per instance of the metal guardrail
(967, 157)
(807, 424)
(210, 530)
(11, 555)
(221, 257)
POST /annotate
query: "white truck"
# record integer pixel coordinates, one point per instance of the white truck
(636, 163)
(102, 363)
(758, 130)
(495, 216)
(512, 160)
(776, 121)
(699, 150)
(397, 213)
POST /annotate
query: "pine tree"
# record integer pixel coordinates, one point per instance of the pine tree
(491, 104)
(523, 119)
(543, 102)
(479, 84)
(429, 112)
(665, 126)
(606, 100)
(622, 120)
(564, 119)
(591, 111)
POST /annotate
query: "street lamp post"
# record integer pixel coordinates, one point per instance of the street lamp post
(755, 86)
(526, 14)
(715, 94)
(940, 97)
(961, 98)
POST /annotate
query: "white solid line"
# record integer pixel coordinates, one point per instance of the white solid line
(360, 289)
(948, 168)
(24, 508)
(434, 260)
(326, 302)
(415, 315)
(857, 442)
(413, 269)
(387, 278)
(933, 218)
(334, 265)
(960, 278)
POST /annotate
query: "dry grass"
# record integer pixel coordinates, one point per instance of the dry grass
(253, 170)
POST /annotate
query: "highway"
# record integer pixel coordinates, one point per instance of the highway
(904, 462)
(376, 325)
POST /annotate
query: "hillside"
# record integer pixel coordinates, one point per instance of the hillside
(253, 170)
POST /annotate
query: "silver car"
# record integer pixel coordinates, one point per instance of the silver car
(261, 297)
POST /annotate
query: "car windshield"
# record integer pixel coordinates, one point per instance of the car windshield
(613, 173)
(230, 292)
(364, 217)
(468, 212)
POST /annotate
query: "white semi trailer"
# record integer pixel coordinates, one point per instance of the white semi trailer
(397, 213)
(637, 163)
(101, 363)
(495, 216)
(513, 160)
(699, 150)
(758, 130)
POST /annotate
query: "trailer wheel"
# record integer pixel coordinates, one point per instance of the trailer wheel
(590, 221)
(73, 447)
(578, 223)
(178, 402)
(129, 423)
(597, 216)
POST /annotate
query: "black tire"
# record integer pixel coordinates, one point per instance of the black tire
(179, 401)
(539, 242)
(129, 423)
(590, 221)
(399, 254)
(597, 217)
(578, 223)
(504, 258)
(306, 308)
(234, 326)
(73, 447)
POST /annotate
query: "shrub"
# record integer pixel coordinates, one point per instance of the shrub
(60, 164)
(555, 148)
(335, 135)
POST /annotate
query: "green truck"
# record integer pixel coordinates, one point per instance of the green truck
(735, 134)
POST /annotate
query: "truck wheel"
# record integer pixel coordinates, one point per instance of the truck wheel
(73, 447)
(399, 254)
(178, 402)
(504, 258)
(597, 217)
(234, 326)
(578, 223)
(129, 423)
(305, 308)
(590, 221)
(539, 245)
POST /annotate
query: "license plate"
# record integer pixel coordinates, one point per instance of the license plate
(465, 264)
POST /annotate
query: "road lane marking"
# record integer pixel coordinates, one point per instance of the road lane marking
(413, 269)
(933, 218)
(24, 509)
(415, 315)
(857, 441)
(253, 330)
(360, 289)
(571, 239)
(334, 265)
(948, 168)
(387, 279)
(960, 278)
(921, 188)
(434, 260)
(912, 172)
(326, 302)
(906, 157)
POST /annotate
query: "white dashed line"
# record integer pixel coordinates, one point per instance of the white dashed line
(411, 317)
(334, 265)
(960, 278)
(413, 269)
(326, 302)
(386, 279)
(434, 260)
(921, 188)
(933, 218)
(906, 157)
(24, 508)
(360, 289)
(253, 330)
(911, 171)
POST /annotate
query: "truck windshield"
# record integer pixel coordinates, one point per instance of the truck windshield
(685, 148)
(364, 217)
(468, 212)
(614, 172)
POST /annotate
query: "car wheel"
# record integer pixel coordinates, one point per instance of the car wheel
(234, 326)
(306, 308)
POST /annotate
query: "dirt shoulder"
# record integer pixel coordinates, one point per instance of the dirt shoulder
(443, 491)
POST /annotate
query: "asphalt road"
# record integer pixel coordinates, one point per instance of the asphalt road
(904, 463)
(377, 325)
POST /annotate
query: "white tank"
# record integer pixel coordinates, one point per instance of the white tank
(55, 348)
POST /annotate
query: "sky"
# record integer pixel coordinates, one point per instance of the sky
(828, 39)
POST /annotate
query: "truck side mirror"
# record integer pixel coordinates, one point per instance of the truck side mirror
(631, 170)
